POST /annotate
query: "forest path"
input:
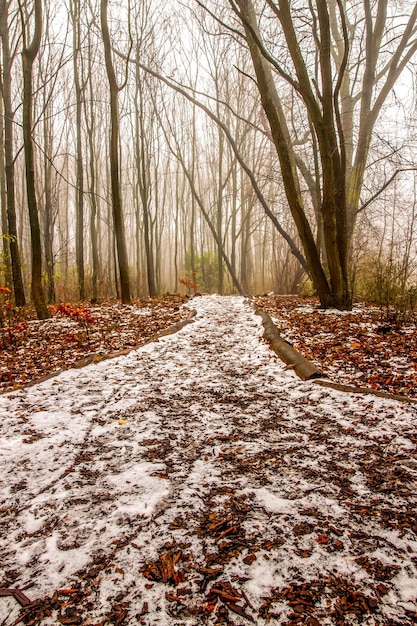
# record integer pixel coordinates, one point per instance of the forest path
(195, 480)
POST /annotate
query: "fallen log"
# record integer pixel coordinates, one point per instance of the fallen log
(304, 368)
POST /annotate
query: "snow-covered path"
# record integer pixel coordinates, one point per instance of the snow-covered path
(196, 479)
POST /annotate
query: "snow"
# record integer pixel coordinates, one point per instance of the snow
(98, 463)
(330, 311)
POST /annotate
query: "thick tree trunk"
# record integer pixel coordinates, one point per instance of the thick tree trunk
(7, 280)
(337, 293)
(28, 57)
(19, 293)
(93, 235)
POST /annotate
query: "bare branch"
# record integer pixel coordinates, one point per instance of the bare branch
(384, 186)
(293, 247)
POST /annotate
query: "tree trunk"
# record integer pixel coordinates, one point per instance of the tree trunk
(89, 115)
(219, 211)
(79, 191)
(29, 54)
(280, 135)
(118, 223)
(19, 293)
(48, 210)
(142, 168)
(3, 199)
(338, 293)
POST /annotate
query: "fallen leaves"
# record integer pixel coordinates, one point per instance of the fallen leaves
(267, 498)
(377, 569)
(305, 601)
(356, 348)
(37, 348)
(230, 597)
(17, 594)
(251, 558)
(164, 569)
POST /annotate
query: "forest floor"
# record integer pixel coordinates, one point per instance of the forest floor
(31, 349)
(361, 348)
(365, 347)
(197, 481)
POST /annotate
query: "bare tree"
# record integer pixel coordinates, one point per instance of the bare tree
(118, 222)
(320, 93)
(6, 265)
(29, 53)
(177, 151)
(142, 162)
(6, 91)
(75, 13)
(90, 117)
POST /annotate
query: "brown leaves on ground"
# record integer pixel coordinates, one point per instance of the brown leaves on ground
(357, 348)
(164, 570)
(303, 598)
(232, 599)
(280, 512)
(31, 349)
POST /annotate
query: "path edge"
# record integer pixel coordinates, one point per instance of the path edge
(304, 368)
(307, 371)
(97, 358)
(364, 391)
